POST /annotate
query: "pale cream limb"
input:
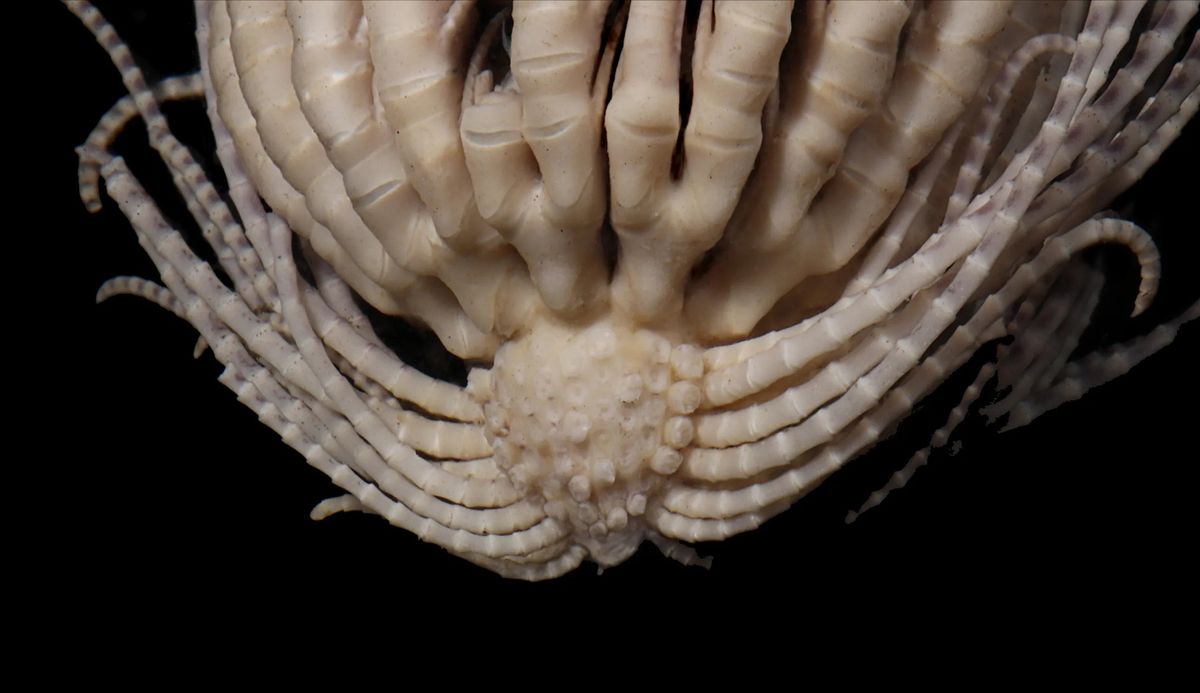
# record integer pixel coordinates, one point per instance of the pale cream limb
(191, 279)
(199, 278)
(367, 496)
(1115, 37)
(377, 398)
(1158, 141)
(417, 49)
(642, 120)
(157, 294)
(971, 170)
(1028, 19)
(943, 62)
(338, 295)
(452, 327)
(340, 437)
(113, 122)
(503, 170)
(555, 50)
(918, 209)
(265, 176)
(220, 230)
(332, 73)
(333, 79)
(911, 217)
(541, 182)
(437, 307)
(207, 304)
(382, 366)
(1105, 157)
(392, 464)
(261, 41)
(1098, 368)
(701, 515)
(828, 423)
(664, 229)
(901, 477)
(725, 428)
(1036, 98)
(1074, 327)
(429, 301)
(1097, 121)
(332, 300)
(1034, 91)
(796, 444)
(1041, 347)
(235, 254)
(560, 564)
(1025, 21)
(748, 460)
(1004, 204)
(223, 234)
(845, 65)
(679, 552)
(344, 503)
(485, 468)
(808, 298)
(94, 153)
(346, 401)
(924, 206)
(543, 555)
(793, 350)
(1109, 166)
(441, 440)
(495, 290)
(1148, 259)
(259, 336)
(240, 188)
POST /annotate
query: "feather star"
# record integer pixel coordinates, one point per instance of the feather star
(540, 285)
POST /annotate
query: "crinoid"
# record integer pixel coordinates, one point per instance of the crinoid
(689, 259)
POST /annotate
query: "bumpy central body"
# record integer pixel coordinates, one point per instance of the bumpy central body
(592, 421)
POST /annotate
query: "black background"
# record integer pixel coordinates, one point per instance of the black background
(147, 492)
